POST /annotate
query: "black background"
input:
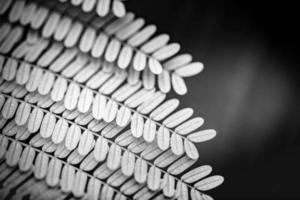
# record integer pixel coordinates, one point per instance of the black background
(247, 91)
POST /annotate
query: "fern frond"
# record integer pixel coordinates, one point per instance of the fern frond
(87, 143)
(56, 172)
(107, 108)
(118, 42)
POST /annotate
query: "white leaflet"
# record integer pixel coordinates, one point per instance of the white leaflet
(99, 106)
(119, 24)
(182, 192)
(190, 69)
(133, 76)
(165, 159)
(112, 50)
(26, 160)
(72, 96)
(178, 84)
(155, 100)
(46, 83)
(125, 56)
(202, 136)
(87, 40)
(3, 145)
(63, 59)
(177, 118)
(85, 100)
(114, 157)
(148, 79)
(197, 174)
(16, 11)
(88, 6)
(51, 24)
(86, 143)
(5, 29)
(164, 81)
(125, 91)
(103, 7)
(13, 154)
(107, 193)
(117, 179)
(101, 149)
(103, 172)
(177, 61)
(74, 34)
(14, 36)
(67, 178)
(137, 125)
(35, 120)
(180, 165)
(23, 73)
(144, 193)
(51, 53)
(94, 185)
(9, 108)
(63, 28)
(139, 61)
(164, 109)
(41, 165)
(60, 131)
(118, 8)
(153, 180)
(149, 130)
(209, 183)
(130, 29)
(48, 125)
(177, 144)
(111, 130)
(123, 116)
(190, 149)
(189, 126)
(168, 185)
(139, 97)
(88, 163)
(22, 114)
(9, 70)
(142, 36)
(163, 138)
(79, 184)
(128, 163)
(140, 171)
(166, 51)
(53, 174)
(125, 139)
(99, 45)
(154, 66)
(155, 43)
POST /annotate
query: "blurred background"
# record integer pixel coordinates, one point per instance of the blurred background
(247, 91)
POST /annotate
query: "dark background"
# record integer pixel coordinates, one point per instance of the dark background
(247, 91)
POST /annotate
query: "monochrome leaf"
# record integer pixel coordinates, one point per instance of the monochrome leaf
(209, 183)
(197, 174)
(153, 180)
(190, 149)
(202, 136)
(114, 157)
(26, 159)
(101, 149)
(72, 137)
(128, 163)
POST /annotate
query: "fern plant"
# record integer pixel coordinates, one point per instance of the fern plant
(84, 112)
